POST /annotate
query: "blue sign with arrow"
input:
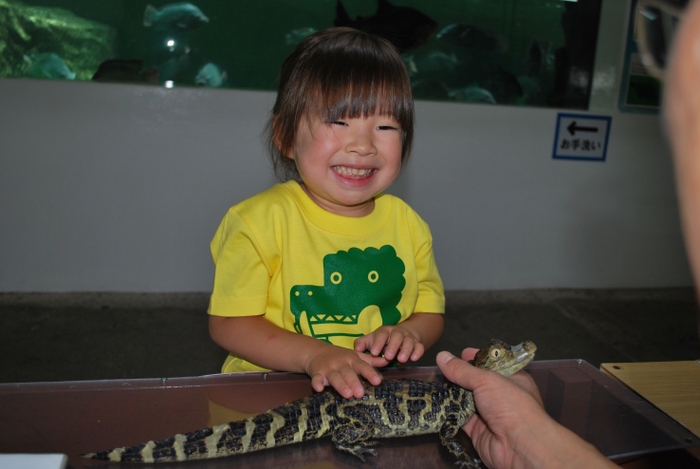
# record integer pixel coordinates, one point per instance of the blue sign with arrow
(581, 137)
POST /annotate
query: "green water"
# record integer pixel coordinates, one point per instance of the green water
(248, 40)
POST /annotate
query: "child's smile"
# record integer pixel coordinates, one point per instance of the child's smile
(353, 173)
(344, 164)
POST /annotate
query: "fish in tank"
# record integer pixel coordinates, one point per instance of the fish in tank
(47, 65)
(514, 52)
(211, 76)
(174, 17)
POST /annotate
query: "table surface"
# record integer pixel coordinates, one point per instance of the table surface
(79, 417)
(673, 387)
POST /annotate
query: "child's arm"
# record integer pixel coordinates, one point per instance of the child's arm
(406, 340)
(259, 341)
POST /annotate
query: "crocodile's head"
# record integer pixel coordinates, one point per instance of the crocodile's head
(503, 358)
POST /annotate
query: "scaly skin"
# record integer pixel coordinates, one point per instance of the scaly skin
(395, 408)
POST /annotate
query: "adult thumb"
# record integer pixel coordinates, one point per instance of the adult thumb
(444, 357)
(456, 370)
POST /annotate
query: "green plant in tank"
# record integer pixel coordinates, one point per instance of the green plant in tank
(34, 40)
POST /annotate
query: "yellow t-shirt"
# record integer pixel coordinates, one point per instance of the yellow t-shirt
(280, 255)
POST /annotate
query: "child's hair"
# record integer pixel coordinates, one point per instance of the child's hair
(338, 73)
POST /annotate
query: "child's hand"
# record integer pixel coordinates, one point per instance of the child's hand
(398, 342)
(341, 368)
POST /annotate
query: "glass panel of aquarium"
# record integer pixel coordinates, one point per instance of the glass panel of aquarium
(516, 52)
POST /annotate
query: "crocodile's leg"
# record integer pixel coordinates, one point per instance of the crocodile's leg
(353, 436)
(447, 433)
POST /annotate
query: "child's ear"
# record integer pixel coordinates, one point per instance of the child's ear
(277, 137)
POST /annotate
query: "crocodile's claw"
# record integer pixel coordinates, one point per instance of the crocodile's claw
(470, 463)
(361, 449)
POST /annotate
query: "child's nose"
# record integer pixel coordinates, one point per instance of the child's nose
(362, 144)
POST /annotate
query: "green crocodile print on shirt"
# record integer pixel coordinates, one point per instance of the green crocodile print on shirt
(352, 281)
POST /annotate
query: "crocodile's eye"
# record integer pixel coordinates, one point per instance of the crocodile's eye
(373, 276)
(336, 278)
(496, 353)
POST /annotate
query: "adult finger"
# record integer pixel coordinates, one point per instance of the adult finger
(458, 371)
(469, 353)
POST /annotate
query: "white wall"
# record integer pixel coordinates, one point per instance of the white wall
(506, 215)
(120, 188)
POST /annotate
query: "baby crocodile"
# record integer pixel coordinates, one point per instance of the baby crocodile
(395, 408)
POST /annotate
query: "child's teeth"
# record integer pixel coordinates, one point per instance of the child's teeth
(353, 171)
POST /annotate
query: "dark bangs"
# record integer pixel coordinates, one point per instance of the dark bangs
(341, 73)
(357, 81)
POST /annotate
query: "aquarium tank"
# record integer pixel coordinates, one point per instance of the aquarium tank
(515, 52)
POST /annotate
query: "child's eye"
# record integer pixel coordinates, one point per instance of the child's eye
(337, 123)
(387, 127)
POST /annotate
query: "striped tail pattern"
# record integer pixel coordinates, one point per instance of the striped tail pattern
(293, 422)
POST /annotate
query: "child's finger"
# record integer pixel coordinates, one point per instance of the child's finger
(370, 374)
(381, 337)
(362, 343)
(407, 347)
(338, 382)
(374, 362)
(352, 381)
(318, 382)
(394, 345)
(418, 352)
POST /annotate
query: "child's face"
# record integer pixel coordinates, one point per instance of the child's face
(345, 163)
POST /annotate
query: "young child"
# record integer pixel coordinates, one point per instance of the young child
(324, 274)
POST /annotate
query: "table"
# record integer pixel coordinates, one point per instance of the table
(673, 387)
(78, 417)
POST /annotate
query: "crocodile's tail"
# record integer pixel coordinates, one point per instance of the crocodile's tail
(290, 423)
(210, 442)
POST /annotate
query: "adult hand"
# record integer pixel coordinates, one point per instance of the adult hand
(511, 428)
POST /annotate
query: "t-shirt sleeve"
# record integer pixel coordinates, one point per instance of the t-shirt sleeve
(431, 293)
(241, 277)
